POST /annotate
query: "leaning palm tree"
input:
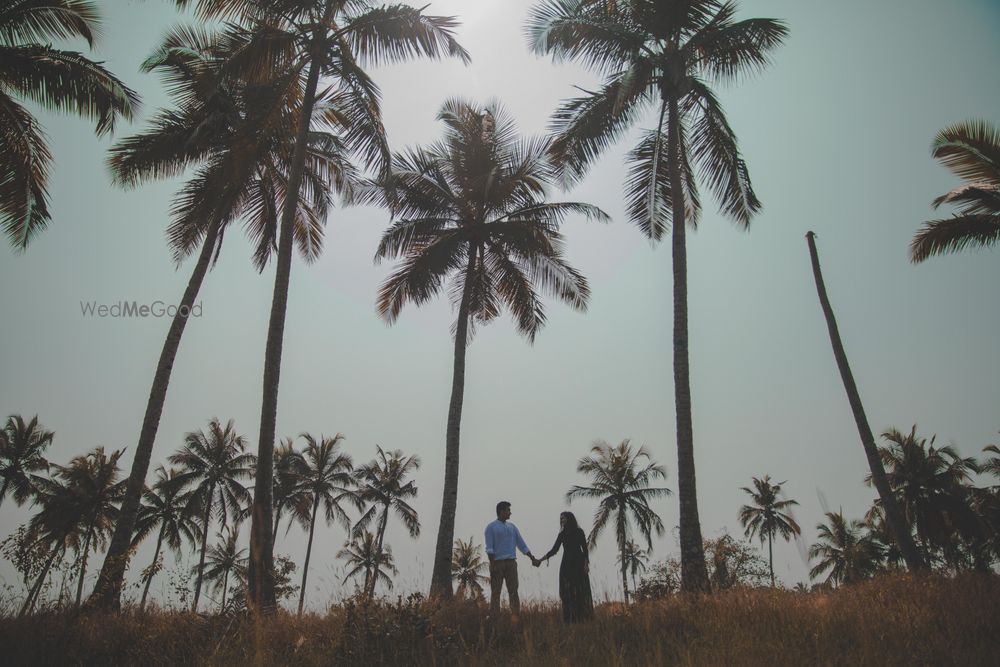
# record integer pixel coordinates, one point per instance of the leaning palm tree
(167, 509)
(382, 483)
(289, 495)
(336, 39)
(31, 70)
(21, 447)
(469, 568)
(240, 135)
(661, 55)
(327, 481)
(768, 516)
(971, 150)
(364, 557)
(893, 514)
(620, 480)
(225, 560)
(78, 509)
(212, 464)
(472, 211)
(634, 559)
(845, 550)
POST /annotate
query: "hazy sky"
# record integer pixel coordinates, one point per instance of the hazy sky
(836, 135)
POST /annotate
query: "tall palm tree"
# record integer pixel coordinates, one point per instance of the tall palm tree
(620, 480)
(327, 481)
(472, 211)
(364, 557)
(845, 550)
(634, 559)
(382, 483)
(78, 509)
(893, 514)
(212, 464)
(225, 559)
(241, 136)
(336, 39)
(168, 509)
(971, 150)
(289, 495)
(468, 567)
(31, 70)
(21, 447)
(661, 55)
(931, 486)
(767, 516)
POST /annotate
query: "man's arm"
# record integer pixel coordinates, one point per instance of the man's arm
(521, 545)
(489, 542)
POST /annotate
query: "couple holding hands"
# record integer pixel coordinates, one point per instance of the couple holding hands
(503, 537)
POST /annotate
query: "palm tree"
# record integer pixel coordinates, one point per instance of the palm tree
(289, 466)
(767, 516)
(468, 568)
(225, 559)
(78, 510)
(31, 70)
(634, 559)
(382, 482)
(241, 135)
(168, 508)
(213, 463)
(21, 447)
(845, 550)
(363, 556)
(620, 479)
(327, 481)
(971, 150)
(893, 514)
(661, 54)
(931, 486)
(336, 39)
(472, 211)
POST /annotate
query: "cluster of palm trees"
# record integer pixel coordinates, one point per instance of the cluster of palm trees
(274, 116)
(204, 488)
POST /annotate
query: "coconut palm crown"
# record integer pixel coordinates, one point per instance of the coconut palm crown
(971, 151)
(32, 70)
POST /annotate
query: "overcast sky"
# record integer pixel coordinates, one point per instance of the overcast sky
(836, 134)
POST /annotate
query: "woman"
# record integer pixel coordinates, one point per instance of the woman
(574, 572)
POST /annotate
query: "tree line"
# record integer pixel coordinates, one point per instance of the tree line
(272, 148)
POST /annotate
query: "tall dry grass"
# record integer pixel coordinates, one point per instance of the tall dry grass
(903, 620)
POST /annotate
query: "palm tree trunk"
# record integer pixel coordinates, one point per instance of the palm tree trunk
(225, 587)
(893, 515)
(620, 529)
(441, 576)
(204, 546)
(83, 565)
(694, 575)
(107, 591)
(370, 586)
(29, 602)
(260, 569)
(770, 557)
(3, 490)
(156, 555)
(305, 568)
(274, 532)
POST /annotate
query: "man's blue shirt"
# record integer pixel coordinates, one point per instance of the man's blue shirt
(501, 539)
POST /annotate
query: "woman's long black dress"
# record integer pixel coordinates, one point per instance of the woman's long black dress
(574, 582)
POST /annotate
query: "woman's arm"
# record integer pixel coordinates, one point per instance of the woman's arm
(555, 547)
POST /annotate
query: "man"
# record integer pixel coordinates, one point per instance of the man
(502, 537)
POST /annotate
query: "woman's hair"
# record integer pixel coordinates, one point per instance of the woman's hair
(571, 523)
